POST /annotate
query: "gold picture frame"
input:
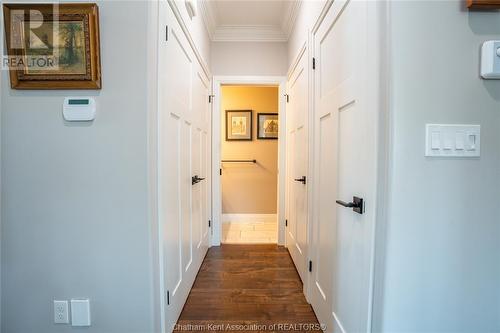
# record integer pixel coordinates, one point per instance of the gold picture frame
(53, 46)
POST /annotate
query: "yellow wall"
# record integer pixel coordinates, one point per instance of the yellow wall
(249, 188)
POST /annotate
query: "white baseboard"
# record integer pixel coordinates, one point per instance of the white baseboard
(241, 218)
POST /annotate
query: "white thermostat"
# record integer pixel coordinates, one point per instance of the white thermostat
(490, 59)
(79, 109)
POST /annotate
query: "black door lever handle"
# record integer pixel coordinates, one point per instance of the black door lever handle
(346, 204)
(302, 180)
(195, 179)
(357, 204)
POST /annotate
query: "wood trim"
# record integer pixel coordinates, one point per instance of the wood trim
(483, 4)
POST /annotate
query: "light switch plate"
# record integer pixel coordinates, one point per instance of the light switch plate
(80, 312)
(61, 315)
(450, 140)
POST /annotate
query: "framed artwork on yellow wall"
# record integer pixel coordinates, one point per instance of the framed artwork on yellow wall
(238, 125)
(267, 126)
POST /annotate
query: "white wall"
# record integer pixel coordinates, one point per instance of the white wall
(443, 234)
(307, 16)
(74, 197)
(249, 58)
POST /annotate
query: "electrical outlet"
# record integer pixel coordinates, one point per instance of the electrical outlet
(61, 315)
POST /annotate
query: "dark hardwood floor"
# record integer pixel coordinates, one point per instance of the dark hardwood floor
(243, 288)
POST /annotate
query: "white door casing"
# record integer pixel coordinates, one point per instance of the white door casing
(345, 146)
(297, 163)
(183, 152)
(218, 81)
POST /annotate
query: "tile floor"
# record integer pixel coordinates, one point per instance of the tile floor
(249, 232)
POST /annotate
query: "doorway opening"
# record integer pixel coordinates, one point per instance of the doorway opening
(248, 152)
(249, 163)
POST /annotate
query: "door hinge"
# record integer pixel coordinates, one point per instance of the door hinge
(209, 223)
(166, 33)
(211, 98)
(286, 223)
(220, 172)
(287, 98)
(168, 297)
(314, 63)
(310, 266)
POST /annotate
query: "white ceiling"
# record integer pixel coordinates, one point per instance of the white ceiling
(249, 20)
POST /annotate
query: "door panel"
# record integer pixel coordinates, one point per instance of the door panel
(186, 194)
(324, 231)
(344, 162)
(203, 156)
(183, 152)
(297, 161)
(204, 189)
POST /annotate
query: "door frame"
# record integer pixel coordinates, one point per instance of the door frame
(218, 81)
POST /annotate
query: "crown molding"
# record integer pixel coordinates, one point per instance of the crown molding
(248, 33)
(255, 33)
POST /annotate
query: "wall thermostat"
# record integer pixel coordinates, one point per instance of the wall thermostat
(79, 109)
(490, 59)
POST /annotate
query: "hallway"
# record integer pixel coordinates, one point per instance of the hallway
(250, 166)
(247, 285)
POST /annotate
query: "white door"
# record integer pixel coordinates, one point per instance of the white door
(297, 161)
(344, 167)
(183, 164)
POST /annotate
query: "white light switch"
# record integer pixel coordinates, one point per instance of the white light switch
(460, 141)
(448, 141)
(61, 312)
(435, 141)
(443, 140)
(80, 312)
(471, 142)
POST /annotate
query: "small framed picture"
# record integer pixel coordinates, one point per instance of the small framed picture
(267, 126)
(53, 46)
(238, 125)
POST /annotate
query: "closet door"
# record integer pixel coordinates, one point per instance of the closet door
(297, 161)
(183, 165)
(345, 166)
(201, 157)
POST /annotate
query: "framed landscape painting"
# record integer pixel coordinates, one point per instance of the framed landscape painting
(267, 126)
(238, 125)
(53, 46)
